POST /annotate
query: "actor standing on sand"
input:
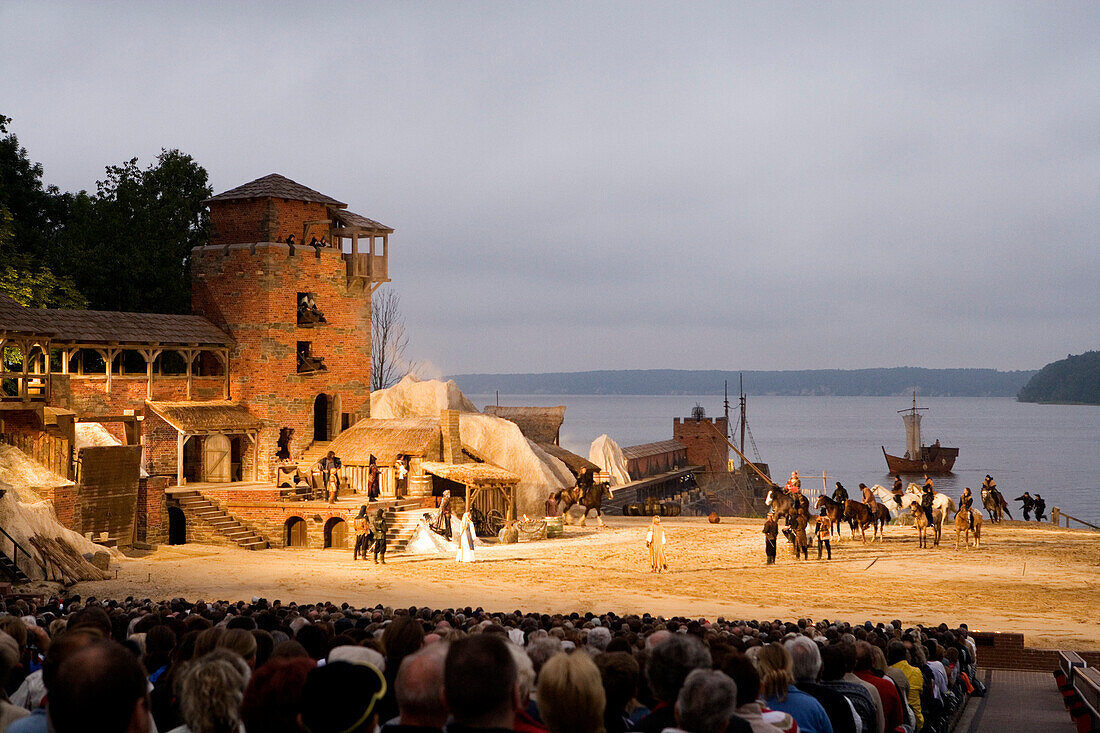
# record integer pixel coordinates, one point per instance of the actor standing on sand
(361, 525)
(655, 541)
(465, 539)
(380, 526)
(771, 533)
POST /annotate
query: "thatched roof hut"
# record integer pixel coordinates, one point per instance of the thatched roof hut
(540, 424)
(471, 474)
(388, 439)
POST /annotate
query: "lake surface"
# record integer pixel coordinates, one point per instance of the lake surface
(1053, 450)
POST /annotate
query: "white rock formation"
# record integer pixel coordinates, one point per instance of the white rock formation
(412, 397)
(607, 454)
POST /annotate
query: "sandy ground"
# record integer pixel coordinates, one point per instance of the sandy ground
(1042, 581)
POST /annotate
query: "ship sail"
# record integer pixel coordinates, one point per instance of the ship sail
(912, 433)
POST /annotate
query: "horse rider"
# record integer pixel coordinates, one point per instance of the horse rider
(1029, 504)
(361, 525)
(869, 498)
(840, 494)
(794, 484)
(584, 480)
(988, 484)
(966, 504)
(928, 495)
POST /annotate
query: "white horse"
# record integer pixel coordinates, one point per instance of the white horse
(940, 501)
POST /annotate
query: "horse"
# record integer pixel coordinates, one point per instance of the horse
(962, 526)
(840, 494)
(881, 517)
(920, 520)
(588, 498)
(940, 501)
(995, 504)
(858, 513)
(834, 510)
(786, 504)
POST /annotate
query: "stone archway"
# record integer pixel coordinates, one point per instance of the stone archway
(177, 526)
(294, 532)
(336, 533)
(321, 418)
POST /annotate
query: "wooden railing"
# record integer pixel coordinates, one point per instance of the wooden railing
(17, 548)
(1057, 515)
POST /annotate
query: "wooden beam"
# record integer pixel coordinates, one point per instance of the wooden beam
(180, 440)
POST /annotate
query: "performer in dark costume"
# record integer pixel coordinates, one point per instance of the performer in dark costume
(380, 526)
(361, 525)
(1029, 504)
(330, 472)
(771, 532)
(442, 521)
(372, 479)
(1040, 508)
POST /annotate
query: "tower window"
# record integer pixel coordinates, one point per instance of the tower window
(307, 362)
(309, 314)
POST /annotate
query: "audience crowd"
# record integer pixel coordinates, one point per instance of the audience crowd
(217, 667)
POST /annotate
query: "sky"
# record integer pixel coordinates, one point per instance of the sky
(635, 185)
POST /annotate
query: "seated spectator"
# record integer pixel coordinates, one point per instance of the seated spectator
(525, 678)
(160, 642)
(706, 702)
(833, 669)
(100, 686)
(619, 672)
(403, 636)
(242, 643)
(480, 684)
(892, 710)
(897, 656)
(750, 707)
(61, 649)
(211, 691)
(774, 664)
(9, 659)
(571, 696)
(272, 700)
(342, 698)
(420, 698)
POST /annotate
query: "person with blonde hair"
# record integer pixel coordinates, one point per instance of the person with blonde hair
(655, 540)
(773, 663)
(465, 539)
(571, 695)
(211, 692)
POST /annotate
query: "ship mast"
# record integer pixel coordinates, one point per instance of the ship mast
(744, 418)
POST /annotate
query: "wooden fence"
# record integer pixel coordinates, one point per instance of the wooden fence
(52, 452)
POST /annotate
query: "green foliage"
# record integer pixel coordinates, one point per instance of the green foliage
(125, 247)
(1075, 379)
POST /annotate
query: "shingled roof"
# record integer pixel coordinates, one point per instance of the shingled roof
(114, 326)
(652, 449)
(540, 424)
(351, 219)
(274, 186)
(14, 317)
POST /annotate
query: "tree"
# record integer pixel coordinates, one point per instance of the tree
(128, 246)
(388, 340)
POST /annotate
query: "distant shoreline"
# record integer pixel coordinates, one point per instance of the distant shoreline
(884, 382)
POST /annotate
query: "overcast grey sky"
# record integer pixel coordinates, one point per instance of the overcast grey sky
(765, 185)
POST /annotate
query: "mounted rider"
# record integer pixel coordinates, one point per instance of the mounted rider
(794, 484)
(966, 504)
(928, 496)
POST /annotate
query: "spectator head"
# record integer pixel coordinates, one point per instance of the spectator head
(896, 652)
(242, 642)
(101, 683)
(314, 639)
(878, 660)
(17, 629)
(160, 642)
(619, 672)
(272, 700)
(832, 663)
(419, 685)
(656, 638)
(480, 682)
(63, 647)
(358, 655)
(706, 702)
(571, 695)
(598, 638)
(91, 618)
(864, 657)
(540, 650)
(743, 672)
(10, 654)
(773, 662)
(805, 658)
(211, 691)
(525, 674)
(403, 636)
(671, 661)
(342, 698)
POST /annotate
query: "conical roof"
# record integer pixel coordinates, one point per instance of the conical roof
(274, 186)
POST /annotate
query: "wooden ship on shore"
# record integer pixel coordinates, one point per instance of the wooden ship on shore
(919, 458)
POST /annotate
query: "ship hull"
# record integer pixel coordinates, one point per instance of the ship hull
(934, 459)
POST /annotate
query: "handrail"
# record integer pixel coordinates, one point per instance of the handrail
(15, 554)
(1056, 514)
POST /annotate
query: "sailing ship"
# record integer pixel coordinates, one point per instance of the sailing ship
(919, 458)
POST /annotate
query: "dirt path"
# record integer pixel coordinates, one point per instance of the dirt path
(1043, 582)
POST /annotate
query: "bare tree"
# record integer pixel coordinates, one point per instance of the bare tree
(388, 340)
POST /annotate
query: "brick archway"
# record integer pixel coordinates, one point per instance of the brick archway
(336, 533)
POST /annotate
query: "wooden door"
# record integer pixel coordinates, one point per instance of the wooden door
(217, 458)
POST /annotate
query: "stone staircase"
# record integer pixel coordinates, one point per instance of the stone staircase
(197, 507)
(402, 525)
(317, 450)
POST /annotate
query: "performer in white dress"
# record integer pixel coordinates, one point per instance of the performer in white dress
(465, 540)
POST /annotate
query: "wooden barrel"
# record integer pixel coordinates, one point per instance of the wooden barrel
(670, 509)
(420, 485)
(554, 527)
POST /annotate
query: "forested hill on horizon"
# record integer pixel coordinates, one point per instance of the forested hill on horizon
(839, 382)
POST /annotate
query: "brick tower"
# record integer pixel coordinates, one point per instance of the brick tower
(299, 313)
(705, 441)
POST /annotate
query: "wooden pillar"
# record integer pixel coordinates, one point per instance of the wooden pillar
(189, 355)
(181, 439)
(223, 357)
(150, 356)
(354, 254)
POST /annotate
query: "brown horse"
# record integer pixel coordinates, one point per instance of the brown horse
(785, 504)
(881, 519)
(834, 510)
(962, 527)
(858, 514)
(920, 520)
(588, 499)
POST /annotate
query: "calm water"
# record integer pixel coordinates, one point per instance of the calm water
(1053, 450)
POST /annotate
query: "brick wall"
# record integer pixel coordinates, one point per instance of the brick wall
(1007, 651)
(264, 220)
(88, 395)
(152, 515)
(251, 292)
(705, 445)
(262, 510)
